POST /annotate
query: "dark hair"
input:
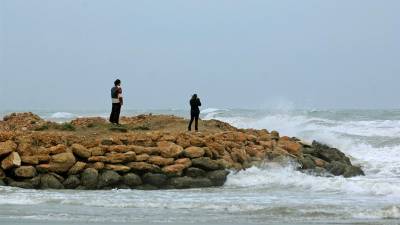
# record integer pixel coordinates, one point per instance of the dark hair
(194, 96)
(117, 82)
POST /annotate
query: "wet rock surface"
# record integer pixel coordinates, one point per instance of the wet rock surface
(147, 152)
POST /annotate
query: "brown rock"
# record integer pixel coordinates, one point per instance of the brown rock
(6, 135)
(24, 148)
(77, 168)
(169, 149)
(110, 141)
(292, 147)
(184, 142)
(62, 162)
(117, 168)
(144, 150)
(197, 141)
(216, 146)
(143, 140)
(143, 167)
(57, 149)
(174, 170)
(194, 152)
(25, 172)
(98, 159)
(30, 159)
(267, 144)
(12, 160)
(184, 161)
(168, 137)
(121, 157)
(142, 158)
(119, 148)
(256, 151)
(160, 161)
(7, 147)
(81, 151)
(97, 151)
(96, 165)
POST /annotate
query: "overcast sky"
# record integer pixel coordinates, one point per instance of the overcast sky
(66, 54)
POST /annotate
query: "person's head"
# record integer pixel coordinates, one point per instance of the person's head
(117, 82)
(194, 96)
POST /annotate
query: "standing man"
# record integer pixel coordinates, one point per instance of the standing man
(194, 112)
(117, 102)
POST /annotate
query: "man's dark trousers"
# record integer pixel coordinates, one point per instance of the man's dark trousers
(116, 110)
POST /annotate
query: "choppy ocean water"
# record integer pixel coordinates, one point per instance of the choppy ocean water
(270, 195)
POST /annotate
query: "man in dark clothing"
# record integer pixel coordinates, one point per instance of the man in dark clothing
(117, 102)
(194, 112)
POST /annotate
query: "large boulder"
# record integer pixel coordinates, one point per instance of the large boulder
(336, 168)
(169, 149)
(30, 159)
(194, 152)
(155, 179)
(142, 157)
(174, 170)
(160, 161)
(11, 161)
(89, 178)
(72, 182)
(117, 168)
(185, 161)
(353, 171)
(108, 178)
(290, 146)
(120, 157)
(49, 181)
(62, 162)
(25, 172)
(218, 177)
(307, 162)
(132, 180)
(195, 172)
(77, 168)
(7, 147)
(329, 154)
(206, 163)
(81, 151)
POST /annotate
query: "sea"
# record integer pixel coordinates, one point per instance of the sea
(271, 194)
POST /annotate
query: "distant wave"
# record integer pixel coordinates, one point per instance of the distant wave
(63, 115)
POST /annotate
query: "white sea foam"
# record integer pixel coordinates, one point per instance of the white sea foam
(287, 178)
(63, 115)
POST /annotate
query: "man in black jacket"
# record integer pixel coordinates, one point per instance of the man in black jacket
(195, 103)
(117, 102)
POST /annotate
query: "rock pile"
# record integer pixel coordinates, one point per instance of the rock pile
(93, 157)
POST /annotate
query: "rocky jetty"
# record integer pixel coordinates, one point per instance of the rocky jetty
(146, 152)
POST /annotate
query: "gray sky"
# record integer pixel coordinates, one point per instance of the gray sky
(237, 54)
